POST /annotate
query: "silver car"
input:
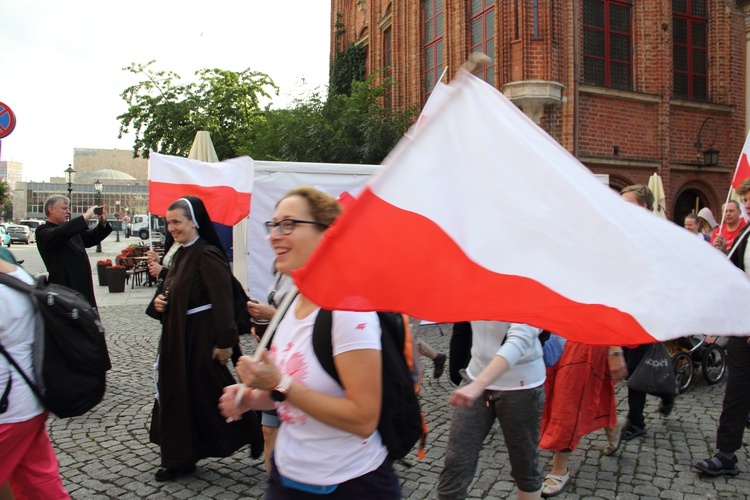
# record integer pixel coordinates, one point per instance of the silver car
(21, 233)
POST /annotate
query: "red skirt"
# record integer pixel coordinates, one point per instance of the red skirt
(580, 397)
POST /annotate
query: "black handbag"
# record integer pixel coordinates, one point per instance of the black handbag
(655, 373)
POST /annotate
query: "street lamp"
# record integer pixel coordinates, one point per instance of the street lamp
(98, 188)
(70, 175)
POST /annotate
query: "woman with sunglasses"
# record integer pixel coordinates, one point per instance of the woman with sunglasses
(328, 441)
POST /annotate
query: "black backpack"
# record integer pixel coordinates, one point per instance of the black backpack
(401, 422)
(70, 352)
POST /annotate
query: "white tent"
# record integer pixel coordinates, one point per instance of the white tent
(253, 256)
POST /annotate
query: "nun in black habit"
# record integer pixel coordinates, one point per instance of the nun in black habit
(198, 336)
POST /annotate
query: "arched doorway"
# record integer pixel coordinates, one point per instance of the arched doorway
(688, 202)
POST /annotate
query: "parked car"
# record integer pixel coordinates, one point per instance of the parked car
(21, 233)
(5, 239)
(32, 224)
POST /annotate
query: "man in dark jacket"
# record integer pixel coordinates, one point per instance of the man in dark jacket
(62, 244)
(736, 405)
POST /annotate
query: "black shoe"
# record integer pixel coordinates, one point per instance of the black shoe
(438, 365)
(170, 474)
(666, 408)
(718, 466)
(632, 431)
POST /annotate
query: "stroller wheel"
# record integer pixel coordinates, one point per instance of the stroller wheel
(683, 370)
(714, 364)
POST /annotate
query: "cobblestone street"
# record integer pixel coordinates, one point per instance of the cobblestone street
(106, 453)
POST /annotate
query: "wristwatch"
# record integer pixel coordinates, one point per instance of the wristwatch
(278, 393)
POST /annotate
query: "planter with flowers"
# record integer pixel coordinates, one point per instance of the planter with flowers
(101, 270)
(116, 278)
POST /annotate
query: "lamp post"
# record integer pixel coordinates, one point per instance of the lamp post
(70, 175)
(98, 188)
(710, 156)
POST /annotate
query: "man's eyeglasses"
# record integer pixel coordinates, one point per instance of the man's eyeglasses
(286, 226)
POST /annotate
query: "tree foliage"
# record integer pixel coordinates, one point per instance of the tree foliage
(349, 125)
(340, 129)
(6, 200)
(347, 67)
(165, 114)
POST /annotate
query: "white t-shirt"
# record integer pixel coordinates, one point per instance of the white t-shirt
(307, 450)
(17, 337)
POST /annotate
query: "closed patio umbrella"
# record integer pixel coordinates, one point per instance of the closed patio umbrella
(660, 200)
(203, 148)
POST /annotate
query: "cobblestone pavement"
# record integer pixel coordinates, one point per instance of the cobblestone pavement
(106, 453)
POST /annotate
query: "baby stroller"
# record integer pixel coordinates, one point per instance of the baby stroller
(707, 351)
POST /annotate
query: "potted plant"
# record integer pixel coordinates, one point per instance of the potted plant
(116, 278)
(101, 270)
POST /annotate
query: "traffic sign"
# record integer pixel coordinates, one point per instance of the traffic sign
(7, 120)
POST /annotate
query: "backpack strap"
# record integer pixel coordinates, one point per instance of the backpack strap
(32, 385)
(15, 283)
(323, 343)
(37, 389)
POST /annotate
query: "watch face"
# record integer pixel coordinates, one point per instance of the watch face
(278, 395)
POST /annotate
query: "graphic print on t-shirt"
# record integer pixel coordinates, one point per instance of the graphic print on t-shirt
(294, 365)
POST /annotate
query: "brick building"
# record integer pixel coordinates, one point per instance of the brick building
(630, 87)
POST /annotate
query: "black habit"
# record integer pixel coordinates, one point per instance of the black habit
(188, 425)
(63, 250)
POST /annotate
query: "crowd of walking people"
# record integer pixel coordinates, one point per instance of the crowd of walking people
(319, 435)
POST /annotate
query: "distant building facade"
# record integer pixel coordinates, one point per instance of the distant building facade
(630, 88)
(11, 172)
(124, 182)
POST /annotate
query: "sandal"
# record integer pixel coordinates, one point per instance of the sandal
(718, 466)
(558, 483)
(614, 436)
(631, 432)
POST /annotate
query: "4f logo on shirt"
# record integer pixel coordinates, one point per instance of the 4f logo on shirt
(361, 326)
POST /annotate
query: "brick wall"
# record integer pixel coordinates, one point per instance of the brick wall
(653, 131)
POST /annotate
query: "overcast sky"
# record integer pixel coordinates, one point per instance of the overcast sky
(61, 62)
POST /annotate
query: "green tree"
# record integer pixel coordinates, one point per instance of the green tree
(343, 128)
(6, 200)
(165, 114)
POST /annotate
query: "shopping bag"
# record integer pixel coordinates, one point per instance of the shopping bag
(655, 373)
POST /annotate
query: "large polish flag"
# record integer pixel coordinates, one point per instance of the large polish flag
(224, 187)
(483, 216)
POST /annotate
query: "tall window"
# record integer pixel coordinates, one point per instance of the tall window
(432, 16)
(388, 65)
(690, 49)
(607, 40)
(482, 22)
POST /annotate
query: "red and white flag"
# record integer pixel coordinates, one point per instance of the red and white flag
(224, 187)
(742, 171)
(483, 216)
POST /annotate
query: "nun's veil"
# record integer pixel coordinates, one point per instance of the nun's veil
(206, 228)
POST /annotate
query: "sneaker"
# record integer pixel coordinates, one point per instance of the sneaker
(438, 365)
(718, 466)
(633, 431)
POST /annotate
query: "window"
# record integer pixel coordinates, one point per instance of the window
(690, 49)
(432, 18)
(607, 39)
(482, 22)
(388, 65)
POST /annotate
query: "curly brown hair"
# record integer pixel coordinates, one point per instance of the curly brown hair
(323, 207)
